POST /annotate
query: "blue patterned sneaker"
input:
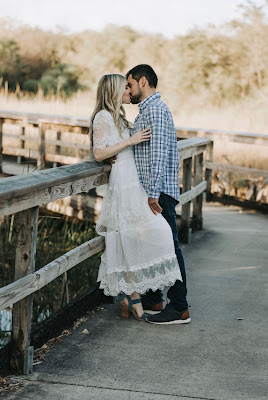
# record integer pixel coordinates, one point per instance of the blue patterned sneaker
(169, 316)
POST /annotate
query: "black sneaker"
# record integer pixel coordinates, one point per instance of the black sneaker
(169, 316)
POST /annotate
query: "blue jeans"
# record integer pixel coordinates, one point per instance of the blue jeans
(176, 293)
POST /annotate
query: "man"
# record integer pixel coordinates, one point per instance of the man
(157, 164)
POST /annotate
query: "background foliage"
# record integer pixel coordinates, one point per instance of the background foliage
(220, 65)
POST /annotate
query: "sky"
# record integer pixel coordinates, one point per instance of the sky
(169, 17)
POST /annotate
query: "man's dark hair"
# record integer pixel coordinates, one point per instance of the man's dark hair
(144, 70)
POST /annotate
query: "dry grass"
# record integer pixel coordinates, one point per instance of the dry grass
(247, 116)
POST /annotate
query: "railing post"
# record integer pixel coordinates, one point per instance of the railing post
(58, 148)
(208, 172)
(1, 143)
(41, 147)
(197, 220)
(185, 209)
(22, 143)
(22, 353)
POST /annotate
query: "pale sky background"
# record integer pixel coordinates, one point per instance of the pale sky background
(169, 17)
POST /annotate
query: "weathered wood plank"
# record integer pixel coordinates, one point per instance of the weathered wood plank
(1, 143)
(59, 143)
(22, 311)
(26, 184)
(62, 264)
(22, 142)
(23, 287)
(13, 151)
(57, 148)
(230, 136)
(208, 172)
(187, 144)
(52, 193)
(194, 151)
(191, 194)
(237, 169)
(59, 158)
(22, 137)
(34, 118)
(185, 212)
(17, 290)
(41, 147)
(197, 220)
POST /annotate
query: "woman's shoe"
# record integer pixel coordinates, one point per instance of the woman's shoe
(126, 308)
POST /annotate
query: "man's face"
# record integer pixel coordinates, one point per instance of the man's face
(135, 90)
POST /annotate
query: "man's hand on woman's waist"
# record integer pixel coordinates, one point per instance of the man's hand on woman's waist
(154, 206)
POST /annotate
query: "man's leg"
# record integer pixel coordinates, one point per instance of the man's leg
(151, 298)
(177, 293)
(152, 301)
(154, 297)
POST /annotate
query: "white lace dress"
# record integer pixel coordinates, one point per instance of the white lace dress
(139, 253)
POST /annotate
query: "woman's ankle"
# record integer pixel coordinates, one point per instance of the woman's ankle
(134, 296)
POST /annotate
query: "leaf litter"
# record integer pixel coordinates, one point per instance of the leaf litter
(6, 384)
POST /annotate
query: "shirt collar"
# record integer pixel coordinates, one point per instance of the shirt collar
(150, 99)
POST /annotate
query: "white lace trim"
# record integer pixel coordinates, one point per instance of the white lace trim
(154, 277)
(100, 143)
(172, 258)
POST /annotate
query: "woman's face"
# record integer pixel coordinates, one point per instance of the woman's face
(126, 95)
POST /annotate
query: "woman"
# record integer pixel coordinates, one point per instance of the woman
(139, 253)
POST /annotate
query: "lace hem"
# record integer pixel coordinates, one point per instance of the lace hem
(155, 277)
(158, 262)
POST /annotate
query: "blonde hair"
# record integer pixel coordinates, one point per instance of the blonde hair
(109, 97)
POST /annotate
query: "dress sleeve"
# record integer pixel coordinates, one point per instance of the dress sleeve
(101, 130)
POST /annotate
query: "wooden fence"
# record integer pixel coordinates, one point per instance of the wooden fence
(43, 147)
(25, 193)
(227, 136)
(35, 146)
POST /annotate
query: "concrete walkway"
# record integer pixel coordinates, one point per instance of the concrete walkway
(221, 354)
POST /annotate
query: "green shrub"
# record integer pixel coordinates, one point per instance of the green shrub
(31, 85)
(64, 78)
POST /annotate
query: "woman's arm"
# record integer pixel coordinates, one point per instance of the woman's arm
(110, 151)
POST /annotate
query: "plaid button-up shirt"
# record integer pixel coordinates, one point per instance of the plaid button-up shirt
(157, 160)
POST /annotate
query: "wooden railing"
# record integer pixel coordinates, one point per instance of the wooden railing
(35, 146)
(228, 136)
(42, 147)
(23, 194)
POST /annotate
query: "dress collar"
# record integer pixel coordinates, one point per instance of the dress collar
(150, 99)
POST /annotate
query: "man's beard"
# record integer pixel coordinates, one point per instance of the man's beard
(136, 99)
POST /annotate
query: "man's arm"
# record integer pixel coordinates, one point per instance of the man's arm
(158, 123)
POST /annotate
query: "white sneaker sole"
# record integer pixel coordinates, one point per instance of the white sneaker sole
(178, 321)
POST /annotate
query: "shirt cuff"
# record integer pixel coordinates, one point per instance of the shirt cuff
(154, 194)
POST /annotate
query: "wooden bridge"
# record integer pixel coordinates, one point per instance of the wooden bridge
(43, 140)
(25, 193)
